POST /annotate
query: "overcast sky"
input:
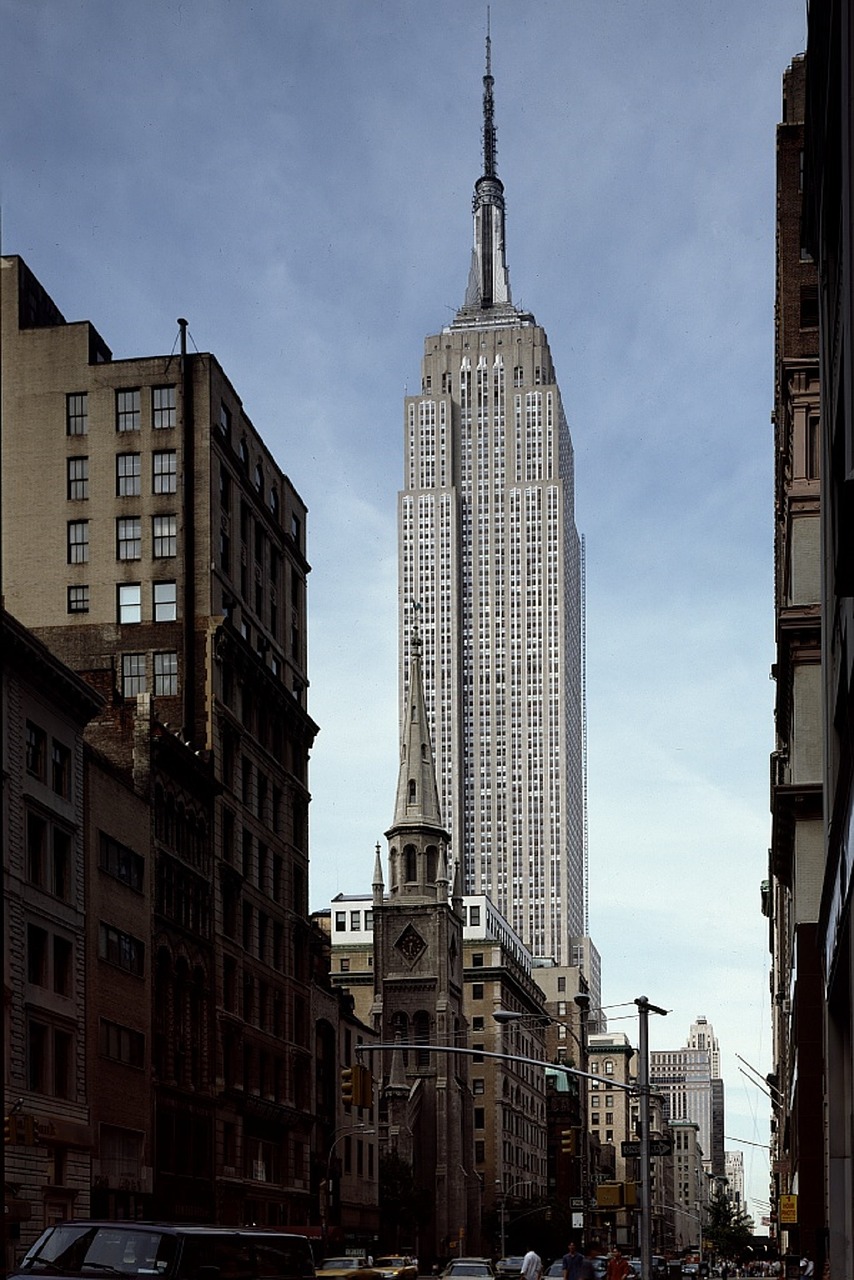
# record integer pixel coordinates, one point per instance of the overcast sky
(295, 177)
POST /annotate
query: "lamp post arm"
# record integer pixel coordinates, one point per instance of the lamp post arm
(487, 1053)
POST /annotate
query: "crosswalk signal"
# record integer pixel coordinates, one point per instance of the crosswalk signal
(347, 1086)
(567, 1141)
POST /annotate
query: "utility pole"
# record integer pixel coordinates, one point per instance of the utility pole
(644, 1010)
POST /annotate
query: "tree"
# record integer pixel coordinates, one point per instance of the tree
(728, 1231)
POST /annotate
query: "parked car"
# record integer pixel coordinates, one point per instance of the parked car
(481, 1267)
(88, 1248)
(510, 1268)
(555, 1269)
(396, 1267)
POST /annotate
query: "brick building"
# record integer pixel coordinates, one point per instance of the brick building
(169, 560)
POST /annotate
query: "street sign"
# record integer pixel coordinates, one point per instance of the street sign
(657, 1147)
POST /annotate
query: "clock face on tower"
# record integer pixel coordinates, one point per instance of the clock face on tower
(410, 944)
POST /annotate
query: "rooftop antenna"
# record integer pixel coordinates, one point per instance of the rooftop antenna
(489, 140)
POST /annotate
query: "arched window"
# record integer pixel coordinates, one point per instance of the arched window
(259, 478)
(274, 501)
(432, 863)
(243, 451)
(410, 863)
(421, 1035)
(412, 791)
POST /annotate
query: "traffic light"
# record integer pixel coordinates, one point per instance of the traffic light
(348, 1085)
(363, 1090)
(567, 1141)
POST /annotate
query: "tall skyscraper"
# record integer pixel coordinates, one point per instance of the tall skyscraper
(489, 554)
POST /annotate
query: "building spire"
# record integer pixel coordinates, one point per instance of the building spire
(417, 793)
(489, 283)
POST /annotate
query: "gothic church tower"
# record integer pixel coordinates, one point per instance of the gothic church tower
(418, 997)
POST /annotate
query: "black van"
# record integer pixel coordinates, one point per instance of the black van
(153, 1249)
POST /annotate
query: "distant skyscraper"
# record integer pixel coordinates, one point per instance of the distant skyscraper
(489, 553)
(689, 1079)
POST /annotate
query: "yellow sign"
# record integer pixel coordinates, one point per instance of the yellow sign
(788, 1210)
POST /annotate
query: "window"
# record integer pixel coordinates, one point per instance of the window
(340, 921)
(345, 964)
(121, 862)
(166, 674)
(225, 421)
(128, 538)
(60, 868)
(121, 949)
(479, 1118)
(77, 414)
(165, 529)
(133, 674)
(78, 541)
(127, 475)
(609, 1066)
(36, 749)
(474, 918)
(127, 411)
(477, 960)
(809, 306)
(164, 471)
(130, 602)
(561, 984)
(477, 1086)
(78, 599)
(162, 407)
(355, 919)
(477, 991)
(165, 601)
(122, 1044)
(37, 945)
(77, 479)
(49, 1060)
(63, 953)
(60, 767)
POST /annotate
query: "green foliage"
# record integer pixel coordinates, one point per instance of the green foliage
(729, 1232)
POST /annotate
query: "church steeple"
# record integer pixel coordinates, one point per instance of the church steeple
(489, 281)
(417, 794)
(418, 841)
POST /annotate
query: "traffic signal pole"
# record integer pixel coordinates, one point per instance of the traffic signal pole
(644, 1010)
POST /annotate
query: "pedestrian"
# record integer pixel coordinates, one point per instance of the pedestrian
(618, 1267)
(588, 1266)
(532, 1266)
(572, 1262)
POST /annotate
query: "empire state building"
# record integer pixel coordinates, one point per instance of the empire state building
(489, 557)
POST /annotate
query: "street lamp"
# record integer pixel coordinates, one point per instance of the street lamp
(356, 1128)
(502, 1211)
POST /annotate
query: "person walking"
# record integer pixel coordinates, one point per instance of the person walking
(532, 1266)
(588, 1266)
(618, 1267)
(572, 1262)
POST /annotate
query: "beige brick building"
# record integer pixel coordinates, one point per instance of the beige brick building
(167, 557)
